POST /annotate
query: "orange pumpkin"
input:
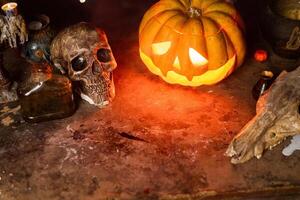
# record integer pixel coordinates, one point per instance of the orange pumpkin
(192, 42)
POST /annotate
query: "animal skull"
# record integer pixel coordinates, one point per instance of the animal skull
(277, 118)
(82, 51)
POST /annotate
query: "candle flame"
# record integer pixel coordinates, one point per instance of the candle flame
(9, 6)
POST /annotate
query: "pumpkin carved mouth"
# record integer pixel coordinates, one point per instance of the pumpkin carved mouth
(208, 78)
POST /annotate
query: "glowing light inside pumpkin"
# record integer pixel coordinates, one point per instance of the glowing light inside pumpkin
(9, 6)
(196, 58)
(176, 63)
(209, 78)
(161, 48)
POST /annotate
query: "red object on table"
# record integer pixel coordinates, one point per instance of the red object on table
(261, 55)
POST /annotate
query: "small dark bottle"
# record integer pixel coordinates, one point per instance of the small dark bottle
(263, 84)
(45, 96)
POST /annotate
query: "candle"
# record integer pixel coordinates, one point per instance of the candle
(10, 9)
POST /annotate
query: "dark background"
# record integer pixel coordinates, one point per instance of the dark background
(108, 14)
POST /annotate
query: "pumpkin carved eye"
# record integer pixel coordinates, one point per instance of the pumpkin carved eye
(196, 58)
(161, 48)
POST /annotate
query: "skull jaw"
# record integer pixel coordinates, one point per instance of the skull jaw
(100, 94)
(92, 102)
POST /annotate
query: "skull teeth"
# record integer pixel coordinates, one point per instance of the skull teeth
(98, 94)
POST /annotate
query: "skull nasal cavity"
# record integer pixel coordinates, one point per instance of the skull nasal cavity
(103, 55)
(97, 69)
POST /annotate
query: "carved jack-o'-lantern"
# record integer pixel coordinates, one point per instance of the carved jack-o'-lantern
(192, 42)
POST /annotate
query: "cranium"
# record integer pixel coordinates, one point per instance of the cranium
(82, 51)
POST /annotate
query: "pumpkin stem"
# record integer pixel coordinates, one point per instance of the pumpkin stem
(194, 12)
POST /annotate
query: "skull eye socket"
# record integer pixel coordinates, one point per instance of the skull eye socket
(79, 63)
(104, 55)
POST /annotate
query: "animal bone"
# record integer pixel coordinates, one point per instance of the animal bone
(277, 118)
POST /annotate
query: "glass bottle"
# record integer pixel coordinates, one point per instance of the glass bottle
(263, 84)
(45, 95)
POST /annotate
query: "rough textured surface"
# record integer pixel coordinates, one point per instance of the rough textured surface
(156, 141)
(277, 117)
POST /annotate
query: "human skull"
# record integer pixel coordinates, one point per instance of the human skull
(82, 51)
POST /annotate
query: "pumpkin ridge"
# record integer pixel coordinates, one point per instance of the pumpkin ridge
(234, 18)
(203, 29)
(165, 24)
(202, 26)
(226, 8)
(220, 4)
(208, 2)
(160, 7)
(182, 3)
(156, 18)
(175, 20)
(235, 34)
(146, 37)
(178, 41)
(216, 44)
(193, 42)
(221, 11)
(229, 46)
(224, 32)
(208, 18)
(177, 31)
